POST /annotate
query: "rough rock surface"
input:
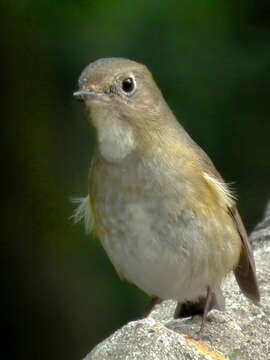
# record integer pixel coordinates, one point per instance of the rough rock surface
(242, 332)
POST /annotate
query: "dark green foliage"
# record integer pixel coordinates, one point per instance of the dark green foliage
(210, 58)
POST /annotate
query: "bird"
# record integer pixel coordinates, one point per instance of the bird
(164, 215)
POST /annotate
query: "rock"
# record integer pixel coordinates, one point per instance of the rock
(242, 332)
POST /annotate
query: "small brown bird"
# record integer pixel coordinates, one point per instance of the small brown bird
(164, 215)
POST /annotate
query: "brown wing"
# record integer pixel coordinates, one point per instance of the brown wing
(245, 272)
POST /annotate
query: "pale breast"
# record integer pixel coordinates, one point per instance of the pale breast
(166, 253)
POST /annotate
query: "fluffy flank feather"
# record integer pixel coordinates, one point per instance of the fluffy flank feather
(83, 213)
(222, 189)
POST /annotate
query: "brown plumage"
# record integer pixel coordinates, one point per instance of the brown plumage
(164, 215)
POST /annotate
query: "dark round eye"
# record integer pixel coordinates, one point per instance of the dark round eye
(128, 85)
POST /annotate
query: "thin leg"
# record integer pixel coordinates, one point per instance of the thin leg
(207, 307)
(188, 308)
(178, 309)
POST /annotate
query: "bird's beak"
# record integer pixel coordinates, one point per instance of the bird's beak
(84, 95)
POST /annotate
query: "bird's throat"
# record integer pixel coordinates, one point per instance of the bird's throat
(116, 139)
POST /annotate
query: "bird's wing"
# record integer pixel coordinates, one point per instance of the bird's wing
(245, 272)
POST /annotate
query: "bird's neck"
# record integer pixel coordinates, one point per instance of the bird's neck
(115, 138)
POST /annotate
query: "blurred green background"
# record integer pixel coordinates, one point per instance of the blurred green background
(212, 60)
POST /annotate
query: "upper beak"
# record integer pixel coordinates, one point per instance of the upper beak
(84, 94)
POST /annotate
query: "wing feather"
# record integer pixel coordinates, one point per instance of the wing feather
(245, 272)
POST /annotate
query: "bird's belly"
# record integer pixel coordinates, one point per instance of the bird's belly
(166, 258)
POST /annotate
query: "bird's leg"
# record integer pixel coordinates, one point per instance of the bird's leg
(207, 308)
(154, 302)
(177, 312)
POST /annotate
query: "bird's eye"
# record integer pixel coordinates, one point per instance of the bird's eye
(128, 85)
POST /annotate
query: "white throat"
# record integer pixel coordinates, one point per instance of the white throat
(115, 139)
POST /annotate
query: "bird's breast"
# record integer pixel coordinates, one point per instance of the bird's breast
(153, 235)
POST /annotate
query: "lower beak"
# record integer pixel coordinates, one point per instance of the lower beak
(84, 95)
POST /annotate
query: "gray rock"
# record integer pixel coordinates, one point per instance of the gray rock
(242, 332)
